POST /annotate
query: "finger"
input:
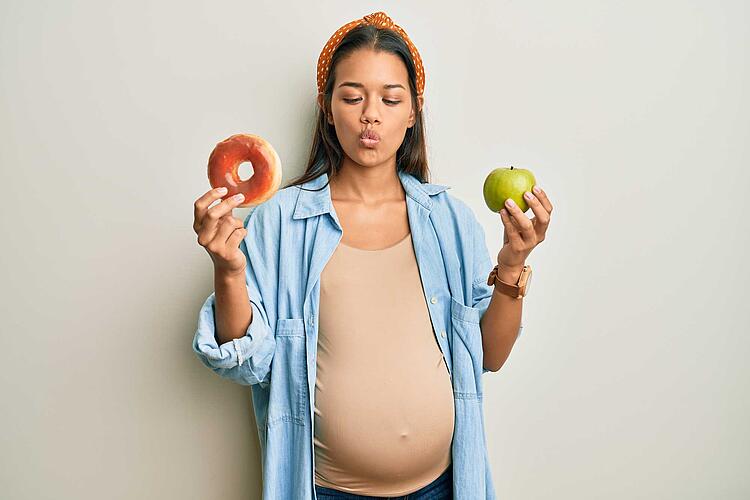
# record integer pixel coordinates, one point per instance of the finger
(234, 239)
(227, 228)
(525, 225)
(542, 217)
(201, 205)
(510, 228)
(541, 221)
(513, 220)
(543, 199)
(213, 214)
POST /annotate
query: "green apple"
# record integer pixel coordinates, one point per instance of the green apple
(503, 183)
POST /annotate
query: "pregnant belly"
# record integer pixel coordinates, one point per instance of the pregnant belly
(386, 433)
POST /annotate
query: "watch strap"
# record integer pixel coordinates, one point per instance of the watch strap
(512, 290)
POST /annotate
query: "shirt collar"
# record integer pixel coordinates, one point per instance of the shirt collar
(310, 202)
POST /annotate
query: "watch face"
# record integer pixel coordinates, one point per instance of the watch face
(528, 283)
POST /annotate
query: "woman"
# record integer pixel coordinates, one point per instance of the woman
(346, 276)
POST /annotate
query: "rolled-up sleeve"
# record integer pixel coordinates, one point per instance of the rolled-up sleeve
(483, 264)
(246, 360)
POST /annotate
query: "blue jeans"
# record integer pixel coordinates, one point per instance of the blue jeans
(440, 489)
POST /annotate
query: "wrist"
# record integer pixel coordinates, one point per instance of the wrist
(509, 274)
(229, 277)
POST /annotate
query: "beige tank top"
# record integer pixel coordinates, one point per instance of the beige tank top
(383, 410)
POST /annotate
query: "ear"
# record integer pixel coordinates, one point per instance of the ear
(413, 114)
(322, 105)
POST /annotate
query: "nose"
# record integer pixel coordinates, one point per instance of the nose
(370, 111)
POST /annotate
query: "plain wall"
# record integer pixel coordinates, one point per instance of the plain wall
(631, 377)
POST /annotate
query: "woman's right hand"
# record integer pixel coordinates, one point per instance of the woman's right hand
(219, 232)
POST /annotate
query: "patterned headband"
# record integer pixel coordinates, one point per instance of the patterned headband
(379, 19)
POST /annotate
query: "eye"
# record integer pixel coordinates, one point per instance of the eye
(355, 101)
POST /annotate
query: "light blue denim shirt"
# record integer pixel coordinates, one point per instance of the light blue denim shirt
(289, 240)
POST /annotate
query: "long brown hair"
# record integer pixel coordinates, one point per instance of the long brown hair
(326, 154)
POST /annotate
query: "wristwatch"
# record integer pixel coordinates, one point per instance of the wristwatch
(517, 291)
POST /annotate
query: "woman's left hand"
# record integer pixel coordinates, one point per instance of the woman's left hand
(521, 234)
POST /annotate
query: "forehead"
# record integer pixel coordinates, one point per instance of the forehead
(372, 69)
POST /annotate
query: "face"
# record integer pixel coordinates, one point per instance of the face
(371, 92)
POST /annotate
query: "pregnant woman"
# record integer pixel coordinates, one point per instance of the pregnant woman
(358, 302)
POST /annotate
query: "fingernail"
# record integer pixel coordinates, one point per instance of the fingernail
(527, 195)
(536, 190)
(510, 202)
(239, 197)
(222, 190)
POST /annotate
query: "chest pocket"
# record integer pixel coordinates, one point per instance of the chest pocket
(466, 351)
(287, 401)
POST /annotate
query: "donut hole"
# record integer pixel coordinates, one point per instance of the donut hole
(245, 170)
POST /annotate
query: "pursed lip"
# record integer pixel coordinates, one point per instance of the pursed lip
(369, 134)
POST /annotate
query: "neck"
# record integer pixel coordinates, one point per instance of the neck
(367, 185)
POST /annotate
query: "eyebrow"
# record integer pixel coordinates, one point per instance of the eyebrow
(360, 86)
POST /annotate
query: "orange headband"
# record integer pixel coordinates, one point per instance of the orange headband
(379, 19)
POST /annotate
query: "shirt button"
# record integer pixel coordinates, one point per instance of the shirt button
(442, 333)
(433, 300)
